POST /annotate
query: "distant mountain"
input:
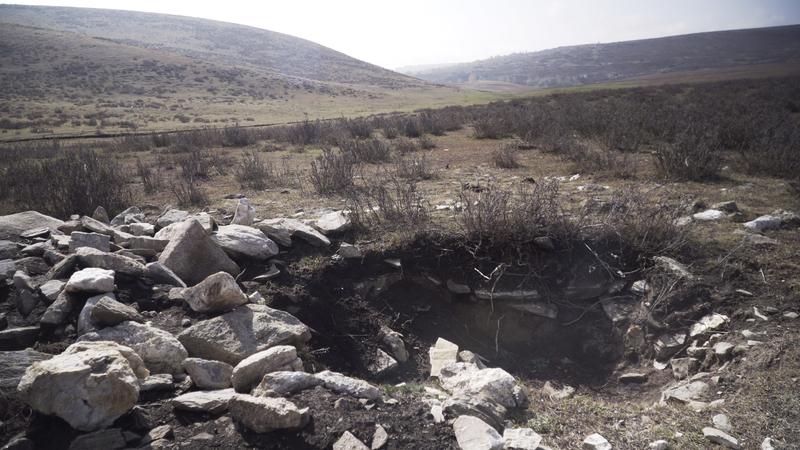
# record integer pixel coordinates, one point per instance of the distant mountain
(599, 63)
(73, 69)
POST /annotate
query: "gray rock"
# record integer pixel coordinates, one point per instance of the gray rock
(486, 410)
(36, 249)
(14, 364)
(9, 249)
(96, 226)
(51, 289)
(147, 243)
(723, 350)
(87, 387)
(100, 214)
(90, 257)
(97, 241)
(442, 353)
(91, 281)
(170, 232)
(521, 439)
(22, 281)
(143, 229)
(13, 225)
(85, 323)
(108, 312)
(252, 369)
(394, 341)
(554, 393)
(685, 392)
(349, 251)
(383, 363)
(193, 255)
(157, 382)
(162, 274)
(708, 324)
(349, 442)
(244, 242)
(777, 220)
(245, 214)
(660, 444)
(170, 217)
(110, 439)
(342, 384)
(63, 269)
(333, 222)
(467, 356)
(633, 377)
(285, 383)
(596, 442)
(720, 437)
(767, 444)
(58, 312)
(130, 215)
(474, 434)
(217, 293)
(208, 374)
(160, 350)
(669, 344)
(683, 367)
(379, 438)
(721, 422)
(495, 384)
(265, 414)
(674, 267)
(242, 332)
(295, 228)
(214, 402)
(727, 206)
(157, 433)
(31, 265)
(709, 215)
(26, 302)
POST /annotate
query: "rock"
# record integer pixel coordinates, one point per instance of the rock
(217, 293)
(88, 387)
(658, 445)
(14, 364)
(157, 382)
(342, 384)
(295, 228)
(349, 442)
(162, 274)
(97, 241)
(90, 257)
(521, 439)
(142, 229)
(466, 380)
(685, 392)
(26, 302)
(596, 442)
(18, 338)
(59, 311)
(91, 281)
(129, 216)
(161, 351)
(96, 226)
(252, 369)
(245, 242)
(485, 410)
(633, 377)
(708, 324)
(9, 249)
(108, 312)
(522, 295)
(333, 222)
(474, 434)
(683, 367)
(791, 315)
(31, 265)
(669, 344)
(22, 281)
(3, 321)
(544, 243)
(245, 214)
(242, 332)
(720, 437)
(63, 269)
(382, 364)
(50, 290)
(709, 215)
(193, 255)
(13, 225)
(213, 402)
(721, 422)
(85, 323)
(285, 383)
(723, 350)
(162, 432)
(349, 251)
(170, 217)
(100, 215)
(767, 444)
(537, 308)
(458, 288)
(442, 353)
(778, 219)
(171, 231)
(265, 414)
(553, 393)
(674, 267)
(148, 243)
(36, 249)
(110, 439)
(208, 374)
(472, 358)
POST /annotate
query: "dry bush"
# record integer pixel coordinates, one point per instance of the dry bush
(388, 199)
(491, 126)
(76, 182)
(404, 145)
(588, 159)
(236, 136)
(359, 127)
(333, 172)
(151, 179)
(426, 143)
(774, 151)
(367, 150)
(505, 157)
(414, 167)
(412, 127)
(390, 132)
(695, 155)
(253, 172)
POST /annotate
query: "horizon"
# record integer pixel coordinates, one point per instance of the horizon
(460, 42)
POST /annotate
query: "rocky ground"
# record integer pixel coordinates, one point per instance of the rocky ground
(171, 329)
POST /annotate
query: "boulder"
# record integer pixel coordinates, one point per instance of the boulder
(709, 215)
(596, 442)
(686, 392)
(295, 228)
(394, 341)
(171, 231)
(721, 422)
(333, 222)
(776, 220)
(379, 438)
(466, 380)
(668, 344)
(521, 439)
(157, 382)
(710, 323)
(285, 383)
(130, 215)
(50, 290)
(90, 257)
(162, 274)
(265, 414)
(100, 214)
(97, 241)
(147, 243)
(474, 434)
(242, 332)
(193, 255)
(213, 402)
(208, 374)
(160, 350)
(217, 293)
(342, 384)
(88, 387)
(170, 217)
(244, 242)
(442, 353)
(245, 214)
(9, 249)
(26, 302)
(142, 229)
(18, 338)
(59, 311)
(382, 364)
(108, 312)
(91, 281)
(252, 369)
(349, 442)
(96, 226)
(683, 367)
(62, 269)
(14, 364)
(719, 437)
(110, 439)
(13, 225)
(85, 323)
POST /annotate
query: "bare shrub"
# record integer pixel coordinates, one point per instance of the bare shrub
(412, 127)
(367, 150)
(693, 155)
(236, 136)
(332, 172)
(774, 151)
(490, 126)
(505, 157)
(404, 145)
(389, 199)
(359, 127)
(253, 172)
(151, 180)
(390, 132)
(426, 143)
(414, 167)
(589, 159)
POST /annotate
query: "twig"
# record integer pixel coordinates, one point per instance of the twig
(497, 336)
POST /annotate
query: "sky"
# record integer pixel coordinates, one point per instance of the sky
(400, 33)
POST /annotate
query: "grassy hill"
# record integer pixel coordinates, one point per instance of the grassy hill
(774, 49)
(75, 70)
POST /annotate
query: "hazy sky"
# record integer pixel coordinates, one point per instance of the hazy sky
(406, 32)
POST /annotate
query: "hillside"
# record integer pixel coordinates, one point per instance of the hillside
(601, 63)
(74, 70)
